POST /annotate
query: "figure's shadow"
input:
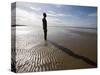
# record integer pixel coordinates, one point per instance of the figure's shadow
(71, 53)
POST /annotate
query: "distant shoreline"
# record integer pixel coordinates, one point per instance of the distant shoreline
(58, 26)
(75, 27)
(17, 25)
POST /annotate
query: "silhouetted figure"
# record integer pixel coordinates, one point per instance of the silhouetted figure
(44, 26)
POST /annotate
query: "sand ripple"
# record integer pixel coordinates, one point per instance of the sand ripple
(45, 57)
(34, 54)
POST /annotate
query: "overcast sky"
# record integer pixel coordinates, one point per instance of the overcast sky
(57, 15)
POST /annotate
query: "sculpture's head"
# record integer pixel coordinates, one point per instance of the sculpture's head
(44, 14)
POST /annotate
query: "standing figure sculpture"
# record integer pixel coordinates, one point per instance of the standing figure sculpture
(45, 26)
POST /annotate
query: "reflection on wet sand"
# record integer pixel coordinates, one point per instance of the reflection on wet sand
(57, 53)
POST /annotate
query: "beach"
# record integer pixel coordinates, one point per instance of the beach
(65, 48)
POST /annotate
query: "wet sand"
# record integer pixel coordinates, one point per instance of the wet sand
(65, 49)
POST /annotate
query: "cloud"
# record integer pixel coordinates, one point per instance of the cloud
(35, 8)
(51, 12)
(92, 14)
(24, 17)
(55, 14)
(58, 6)
(30, 14)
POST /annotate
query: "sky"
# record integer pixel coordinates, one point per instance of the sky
(57, 15)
